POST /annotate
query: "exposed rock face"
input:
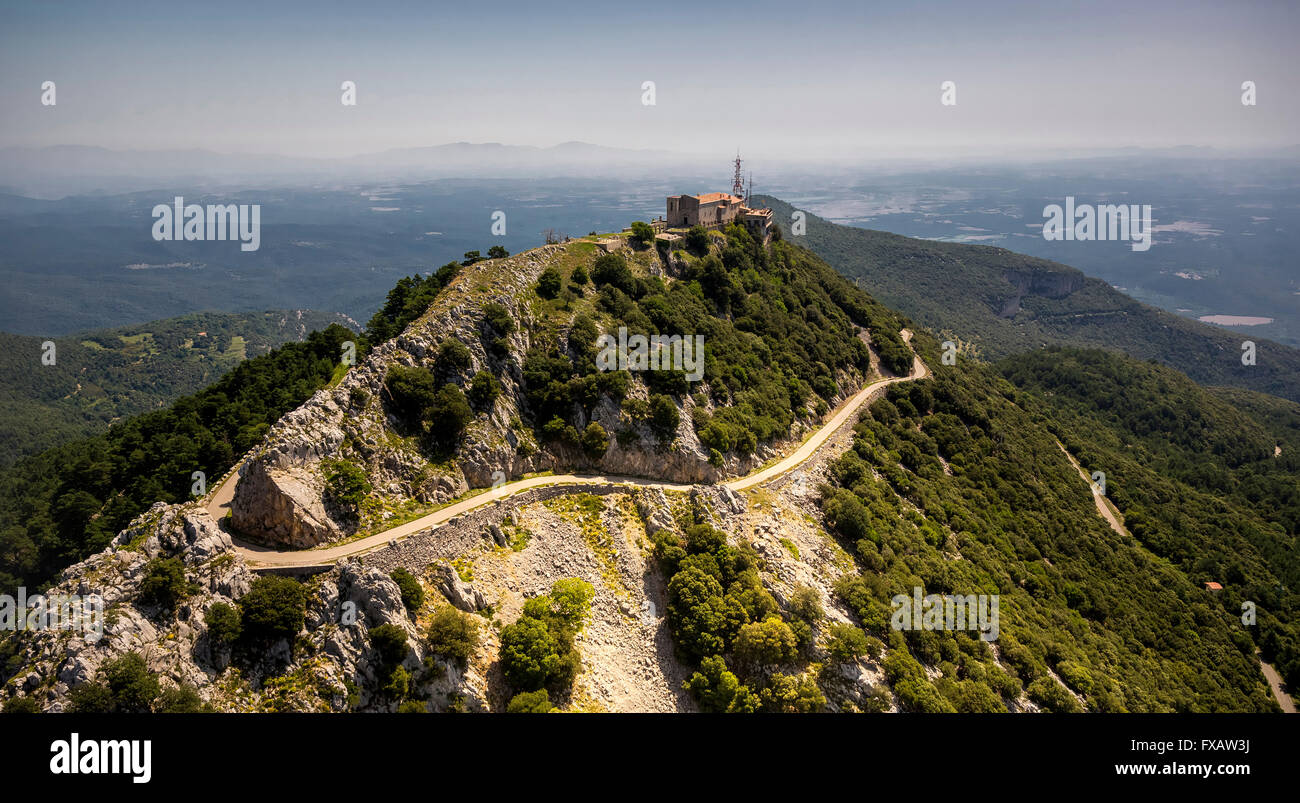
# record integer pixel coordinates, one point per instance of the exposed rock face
(338, 657)
(458, 592)
(652, 506)
(280, 494)
(280, 497)
(59, 659)
(284, 506)
(1048, 284)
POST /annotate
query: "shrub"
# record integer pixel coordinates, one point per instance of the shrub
(770, 641)
(412, 390)
(636, 409)
(389, 643)
(579, 275)
(847, 643)
(848, 515)
(530, 702)
(441, 414)
(497, 252)
(453, 356)
(702, 619)
(878, 700)
(697, 240)
(642, 233)
(563, 610)
(449, 416)
(537, 650)
(396, 683)
(453, 634)
(132, 686)
(484, 390)
(611, 269)
(806, 605)
(21, 705)
(789, 695)
(530, 655)
(224, 623)
(412, 592)
(164, 583)
(548, 284)
(595, 441)
(1053, 696)
(583, 335)
(272, 609)
(346, 485)
(501, 324)
(183, 699)
(90, 698)
(664, 417)
(718, 691)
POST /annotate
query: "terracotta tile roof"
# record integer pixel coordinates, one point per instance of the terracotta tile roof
(710, 197)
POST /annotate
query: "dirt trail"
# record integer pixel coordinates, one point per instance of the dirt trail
(1275, 683)
(1112, 517)
(1104, 507)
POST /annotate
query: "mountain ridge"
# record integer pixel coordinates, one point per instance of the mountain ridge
(1002, 302)
(775, 598)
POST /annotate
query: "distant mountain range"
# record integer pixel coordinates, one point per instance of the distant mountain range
(61, 170)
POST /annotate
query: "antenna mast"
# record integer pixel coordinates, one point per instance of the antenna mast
(737, 181)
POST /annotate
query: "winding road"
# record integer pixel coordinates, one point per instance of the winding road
(266, 557)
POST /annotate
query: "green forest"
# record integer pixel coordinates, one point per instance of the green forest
(103, 376)
(1207, 478)
(61, 505)
(778, 328)
(956, 485)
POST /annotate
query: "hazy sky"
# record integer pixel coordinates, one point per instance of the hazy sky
(786, 80)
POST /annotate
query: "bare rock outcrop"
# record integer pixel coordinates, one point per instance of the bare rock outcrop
(282, 505)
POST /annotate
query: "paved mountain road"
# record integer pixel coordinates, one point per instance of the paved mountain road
(266, 557)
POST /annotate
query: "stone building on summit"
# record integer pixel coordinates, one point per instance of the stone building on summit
(716, 210)
(713, 210)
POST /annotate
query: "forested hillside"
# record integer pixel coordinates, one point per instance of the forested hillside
(1004, 303)
(779, 328)
(1207, 478)
(956, 484)
(65, 503)
(102, 376)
